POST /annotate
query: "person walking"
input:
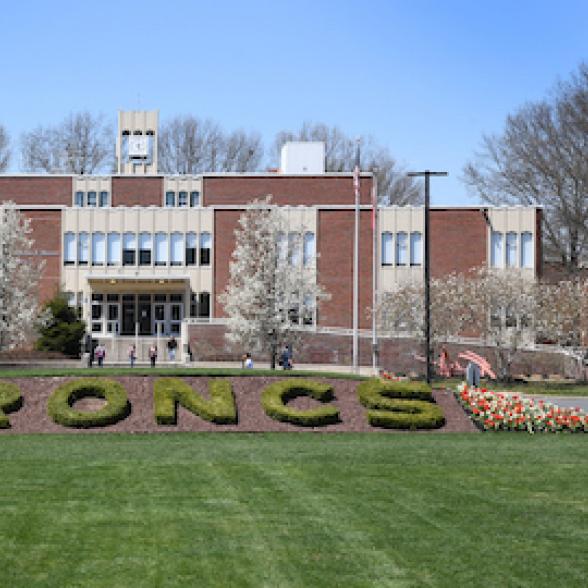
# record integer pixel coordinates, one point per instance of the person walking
(153, 355)
(100, 354)
(132, 354)
(172, 345)
(286, 358)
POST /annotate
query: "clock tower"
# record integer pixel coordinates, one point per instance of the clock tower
(136, 142)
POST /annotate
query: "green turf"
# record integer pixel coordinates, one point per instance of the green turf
(282, 510)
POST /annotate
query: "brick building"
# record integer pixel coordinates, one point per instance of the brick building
(146, 255)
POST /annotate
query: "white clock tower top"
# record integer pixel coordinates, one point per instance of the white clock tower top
(136, 142)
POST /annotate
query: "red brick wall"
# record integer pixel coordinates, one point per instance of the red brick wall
(292, 190)
(137, 191)
(36, 190)
(225, 222)
(335, 266)
(46, 225)
(458, 241)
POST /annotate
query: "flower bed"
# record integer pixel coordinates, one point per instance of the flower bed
(511, 412)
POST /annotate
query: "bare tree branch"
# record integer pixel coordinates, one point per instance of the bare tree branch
(4, 149)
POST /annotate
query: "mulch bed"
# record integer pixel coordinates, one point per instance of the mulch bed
(33, 418)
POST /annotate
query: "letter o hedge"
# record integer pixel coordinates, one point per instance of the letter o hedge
(275, 396)
(10, 400)
(400, 405)
(63, 398)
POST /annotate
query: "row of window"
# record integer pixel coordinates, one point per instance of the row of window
(402, 248)
(182, 200)
(160, 249)
(291, 244)
(92, 199)
(511, 249)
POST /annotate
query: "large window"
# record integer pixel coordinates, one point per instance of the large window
(282, 245)
(103, 199)
(309, 249)
(387, 251)
(170, 198)
(177, 249)
(161, 249)
(294, 249)
(511, 249)
(79, 200)
(113, 249)
(69, 248)
(182, 199)
(204, 305)
(401, 248)
(145, 249)
(194, 199)
(191, 248)
(527, 250)
(92, 198)
(416, 248)
(129, 249)
(98, 249)
(496, 251)
(205, 245)
(83, 248)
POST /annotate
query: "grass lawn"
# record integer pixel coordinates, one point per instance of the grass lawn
(541, 388)
(283, 510)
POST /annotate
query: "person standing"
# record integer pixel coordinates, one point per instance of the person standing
(248, 363)
(100, 354)
(172, 345)
(153, 355)
(286, 358)
(132, 354)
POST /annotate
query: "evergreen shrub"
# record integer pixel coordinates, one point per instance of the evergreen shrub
(10, 401)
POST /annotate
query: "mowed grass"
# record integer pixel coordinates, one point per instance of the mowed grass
(282, 510)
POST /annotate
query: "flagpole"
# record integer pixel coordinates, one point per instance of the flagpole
(374, 271)
(356, 187)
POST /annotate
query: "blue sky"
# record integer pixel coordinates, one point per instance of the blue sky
(426, 79)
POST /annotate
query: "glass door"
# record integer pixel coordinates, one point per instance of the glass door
(128, 314)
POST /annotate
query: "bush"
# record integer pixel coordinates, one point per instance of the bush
(400, 405)
(10, 401)
(64, 331)
(169, 392)
(61, 401)
(275, 397)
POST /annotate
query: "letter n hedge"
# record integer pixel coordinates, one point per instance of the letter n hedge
(10, 401)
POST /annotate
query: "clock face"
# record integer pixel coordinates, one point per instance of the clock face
(138, 146)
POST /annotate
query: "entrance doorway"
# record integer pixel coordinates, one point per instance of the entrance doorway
(145, 327)
(128, 316)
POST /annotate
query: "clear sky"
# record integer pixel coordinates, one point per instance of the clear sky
(425, 78)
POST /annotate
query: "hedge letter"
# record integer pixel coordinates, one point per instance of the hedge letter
(62, 400)
(169, 392)
(275, 397)
(10, 401)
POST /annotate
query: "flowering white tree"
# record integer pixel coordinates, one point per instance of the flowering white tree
(270, 291)
(20, 271)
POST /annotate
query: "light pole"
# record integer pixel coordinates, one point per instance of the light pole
(427, 174)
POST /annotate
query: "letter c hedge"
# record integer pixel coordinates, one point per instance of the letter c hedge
(63, 398)
(400, 405)
(275, 397)
(10, 401)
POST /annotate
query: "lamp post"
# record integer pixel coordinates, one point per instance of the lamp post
(427, 174)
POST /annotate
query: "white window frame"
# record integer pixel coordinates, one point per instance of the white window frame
(387, 249)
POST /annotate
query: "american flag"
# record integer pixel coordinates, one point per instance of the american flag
(356, 172)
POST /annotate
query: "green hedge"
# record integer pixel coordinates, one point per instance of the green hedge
(275, 396)
(400, 405)
(62, 400)
(10, 401)
(169, 392)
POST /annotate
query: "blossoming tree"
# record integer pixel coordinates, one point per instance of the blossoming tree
(20, 272)
(270, 291)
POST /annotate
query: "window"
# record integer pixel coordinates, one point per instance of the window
(204, 305)
(527, 250)
(91, 198)
(98, 249)
(282, 244)
(308, 309)
(177, 248)
(191, 247)
(194, 199)
(416, 248)
(496, 256)
(113, 249)
(129, 249)
(69, 248)
(103, 199)
(294, 249)
(79, 200)
(386, 248)
(182, 198)
(205, 244)
(170, 198)
(161, 249)
(401, 248)
(309, 249)
(511, 249)
(144, 249)
(194, 305)
(83, 249)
